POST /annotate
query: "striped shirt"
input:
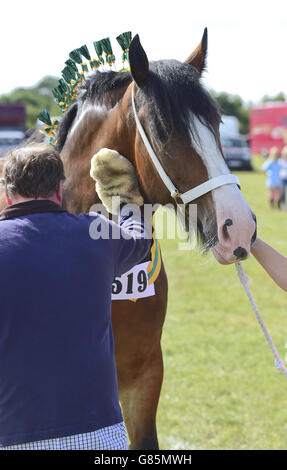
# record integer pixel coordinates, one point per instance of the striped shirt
(109, 438)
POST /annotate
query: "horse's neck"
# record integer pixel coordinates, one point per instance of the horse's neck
(92, 132)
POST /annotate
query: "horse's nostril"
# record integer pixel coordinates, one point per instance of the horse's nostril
(240, 253)
(228, 222)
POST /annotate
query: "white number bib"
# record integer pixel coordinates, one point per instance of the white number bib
(133, 284)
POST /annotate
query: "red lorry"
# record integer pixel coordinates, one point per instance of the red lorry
(12, 116)
(268, 127)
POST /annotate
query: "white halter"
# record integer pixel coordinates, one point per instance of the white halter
(192, 194)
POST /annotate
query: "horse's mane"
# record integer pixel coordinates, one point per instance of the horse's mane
(95, 89)
(172, 93)
(98, 85)
(65, 126)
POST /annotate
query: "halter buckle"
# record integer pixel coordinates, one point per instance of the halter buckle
(177, 197)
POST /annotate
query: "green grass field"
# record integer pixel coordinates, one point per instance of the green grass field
(221, 389)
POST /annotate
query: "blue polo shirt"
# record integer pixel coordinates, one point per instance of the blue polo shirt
(272, 170)
(57, 368)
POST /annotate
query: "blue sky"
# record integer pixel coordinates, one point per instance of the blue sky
(247, 39)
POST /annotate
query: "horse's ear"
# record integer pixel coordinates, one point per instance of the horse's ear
(138, 61)
(198, 56)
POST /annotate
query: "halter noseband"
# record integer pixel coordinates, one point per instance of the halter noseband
(192, 194)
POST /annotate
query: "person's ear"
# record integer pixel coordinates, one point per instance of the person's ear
(59, 192)
(9, 201)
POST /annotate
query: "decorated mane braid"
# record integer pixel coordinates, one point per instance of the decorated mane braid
(66, 91)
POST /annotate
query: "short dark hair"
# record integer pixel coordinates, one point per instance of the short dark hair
(33, 171)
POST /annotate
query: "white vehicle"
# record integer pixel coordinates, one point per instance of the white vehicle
(229, 124)
(235, 148)
(10, 139)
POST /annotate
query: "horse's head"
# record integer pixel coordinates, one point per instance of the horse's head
(181, 121)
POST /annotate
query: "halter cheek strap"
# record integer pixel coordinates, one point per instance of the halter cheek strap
(192, 194)
(165, 178)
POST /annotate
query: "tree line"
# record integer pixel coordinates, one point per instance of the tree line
(40, 97)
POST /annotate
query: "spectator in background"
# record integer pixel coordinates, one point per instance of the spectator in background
(283, 173)
(272, 169)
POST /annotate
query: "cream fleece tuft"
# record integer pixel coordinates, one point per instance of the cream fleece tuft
(115, 175)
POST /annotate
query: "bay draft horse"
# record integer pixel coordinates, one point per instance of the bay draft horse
(181, 121)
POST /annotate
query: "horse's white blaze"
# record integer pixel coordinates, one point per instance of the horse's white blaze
(228, 200)
(206, 146)
(208, 149)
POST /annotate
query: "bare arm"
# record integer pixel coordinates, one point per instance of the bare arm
(273, 262)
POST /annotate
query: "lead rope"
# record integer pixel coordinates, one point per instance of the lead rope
(244, 279)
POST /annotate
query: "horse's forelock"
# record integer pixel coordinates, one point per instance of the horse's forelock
(173, 93)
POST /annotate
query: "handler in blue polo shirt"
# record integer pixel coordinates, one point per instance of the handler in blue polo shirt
(58, 384)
